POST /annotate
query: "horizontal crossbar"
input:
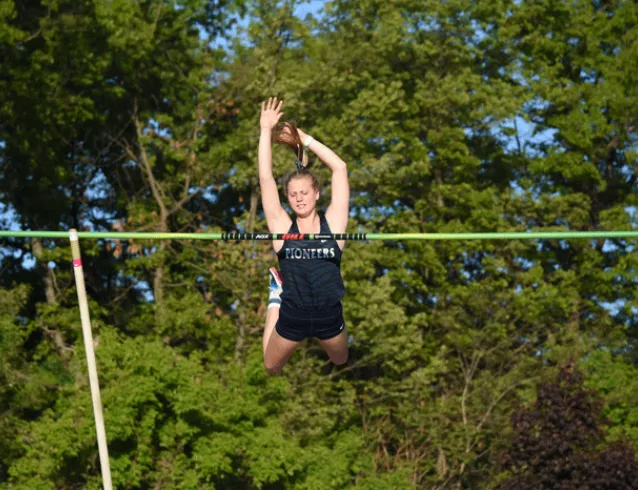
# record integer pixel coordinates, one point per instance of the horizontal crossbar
(526, 235)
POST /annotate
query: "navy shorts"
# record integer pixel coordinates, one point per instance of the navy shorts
(299, 322)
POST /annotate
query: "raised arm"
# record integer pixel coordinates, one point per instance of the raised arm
(338, 211)
(276, 217)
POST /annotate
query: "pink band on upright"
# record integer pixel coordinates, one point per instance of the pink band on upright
(77, 262)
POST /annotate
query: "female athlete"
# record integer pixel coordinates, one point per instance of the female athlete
(305, 297)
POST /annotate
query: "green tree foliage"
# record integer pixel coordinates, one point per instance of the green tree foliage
(452, 116)
(17, 392)
(616, 380)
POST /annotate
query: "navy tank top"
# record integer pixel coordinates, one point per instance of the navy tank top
(311, 270)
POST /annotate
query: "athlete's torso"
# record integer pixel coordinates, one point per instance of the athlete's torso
(311, 269)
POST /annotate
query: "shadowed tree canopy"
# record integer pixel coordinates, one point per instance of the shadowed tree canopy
(558, 443)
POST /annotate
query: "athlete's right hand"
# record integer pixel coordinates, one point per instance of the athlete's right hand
(270, 113)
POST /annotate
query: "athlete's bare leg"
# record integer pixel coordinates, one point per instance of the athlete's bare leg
(277, 352)
(337, 347)
(272, 315)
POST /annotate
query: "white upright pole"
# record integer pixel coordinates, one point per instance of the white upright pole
(90, 360)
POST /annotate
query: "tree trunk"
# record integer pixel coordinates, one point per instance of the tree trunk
(439, 183)
(158, 278)
(47, 272)
(241, 323)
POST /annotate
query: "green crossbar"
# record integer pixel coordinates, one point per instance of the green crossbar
(526, 235)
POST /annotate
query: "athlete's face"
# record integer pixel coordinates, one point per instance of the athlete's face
(302, 197)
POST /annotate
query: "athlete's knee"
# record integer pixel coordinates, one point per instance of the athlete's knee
(339, 358)
(271, 367)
